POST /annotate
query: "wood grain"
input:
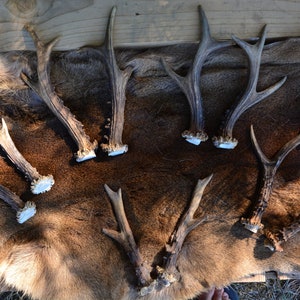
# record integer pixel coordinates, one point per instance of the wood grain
(142, 22)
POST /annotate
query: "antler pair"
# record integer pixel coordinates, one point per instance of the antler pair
(119, 79)
(39, 183)
(167, 274)
(190, 85)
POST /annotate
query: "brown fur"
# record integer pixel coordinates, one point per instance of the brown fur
(62, 253)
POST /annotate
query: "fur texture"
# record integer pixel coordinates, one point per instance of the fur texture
(62, 253)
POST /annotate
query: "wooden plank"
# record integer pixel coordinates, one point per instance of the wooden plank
(266, 276)
(142, 22)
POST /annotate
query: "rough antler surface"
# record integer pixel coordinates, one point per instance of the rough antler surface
(24, 211)
(190, 84)
(274, 240)
(250, 96)
(125, 237)
(169, 273)
(46, 91)
(39, 183)
(118, 79)
(270, 167)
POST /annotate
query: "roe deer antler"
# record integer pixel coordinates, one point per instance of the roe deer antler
(119, 79)
(168, 273)
(39, 183)
(190, 84)
(274, 240)
(45, 90)
(250, 96)
(24, 210)
(270, 167)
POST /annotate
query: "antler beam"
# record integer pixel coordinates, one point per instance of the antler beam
(45, 90)
(250, 97)
(118, 79)
(39, 183)
(190, 84)
(270, 167)
(125, 237)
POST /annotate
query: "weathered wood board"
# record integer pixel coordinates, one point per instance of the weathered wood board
(142, 22)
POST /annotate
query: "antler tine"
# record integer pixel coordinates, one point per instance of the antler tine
(274, 240)
(119, 81)
(125, 237)
(270, 167)
(39, 183)
(190, 84)
(286, 149)
(281, 154)
(24, 210)
(185, 226)
(250, 96)
(45, 90)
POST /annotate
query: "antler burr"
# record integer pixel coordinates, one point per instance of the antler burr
(46, 91)
(190, 84)
(274, 240)
(39, 183)
(118, 79)
(250, 96)
(270, 167)
(24, 210)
